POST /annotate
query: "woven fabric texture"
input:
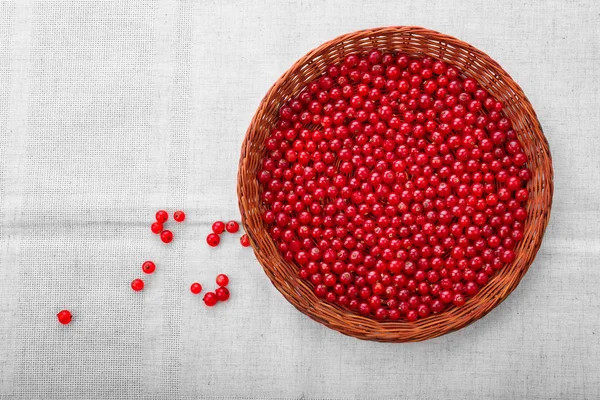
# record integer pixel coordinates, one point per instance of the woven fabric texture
(110, 110)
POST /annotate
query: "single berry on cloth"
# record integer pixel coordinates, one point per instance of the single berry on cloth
(396, 184)
(64, 317)
(218, 227)
(179, 216)
(156, 227)
(148, 267)
(137, 285)
(222, 280)
(222, 293)
(213, 239)
(244, 240)
(232, 227)
(210, 299)
(162, 216)
(196, 288)
(166, 236)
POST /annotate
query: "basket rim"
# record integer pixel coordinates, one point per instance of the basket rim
(376, 330)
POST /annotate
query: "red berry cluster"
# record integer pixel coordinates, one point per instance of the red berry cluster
(213, 239)
(397, 185)
(148, 267)
(158, 227)
(220, 294)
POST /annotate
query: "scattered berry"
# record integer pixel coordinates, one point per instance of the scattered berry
(218, 227)
(148, 267)
(64, 317)
(156, 227)
(213, 239)
(222, 293)
(210, 299)
(162, 216)
(166, 236)
(179, 216)
(222, 280)
(196, 288)
(137, 285)
(244, 240)
(232, 227)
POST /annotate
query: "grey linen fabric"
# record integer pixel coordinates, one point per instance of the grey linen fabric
(110, 110)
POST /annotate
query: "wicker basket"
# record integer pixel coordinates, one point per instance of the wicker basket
(414, 41)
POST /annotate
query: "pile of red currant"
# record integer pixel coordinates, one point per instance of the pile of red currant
(161, 218)
(220, 294)
(396, 184)
(218, 227)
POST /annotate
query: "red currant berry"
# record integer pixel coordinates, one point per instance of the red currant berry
(218, 227)
(437, 306)
(213, 239)
(507, 256)
(148, 267)
(232, 227)
(244, 240)
(179, 216)
(222, 293)
(381, 313)
(196, 288)
(412, 316)
(458, 300)
(162, 216)
(166, 236)
(156, 227)
(210, 299)
(222, 280)
(423, 311)
(137, 285)
(64, 317)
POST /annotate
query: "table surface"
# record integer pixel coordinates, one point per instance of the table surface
(112, 110)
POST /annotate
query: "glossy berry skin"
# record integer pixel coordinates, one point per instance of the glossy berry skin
(213, 239)
(137, 285)
(156, 228)
(222, 293)
(166, 236)
(245, 241)
(64, 317)
(162, 216)
(232, 227)
(196, 288)
(222, 280)
(210, 299)
(218, 227)
(148, 267)
(179, 216)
